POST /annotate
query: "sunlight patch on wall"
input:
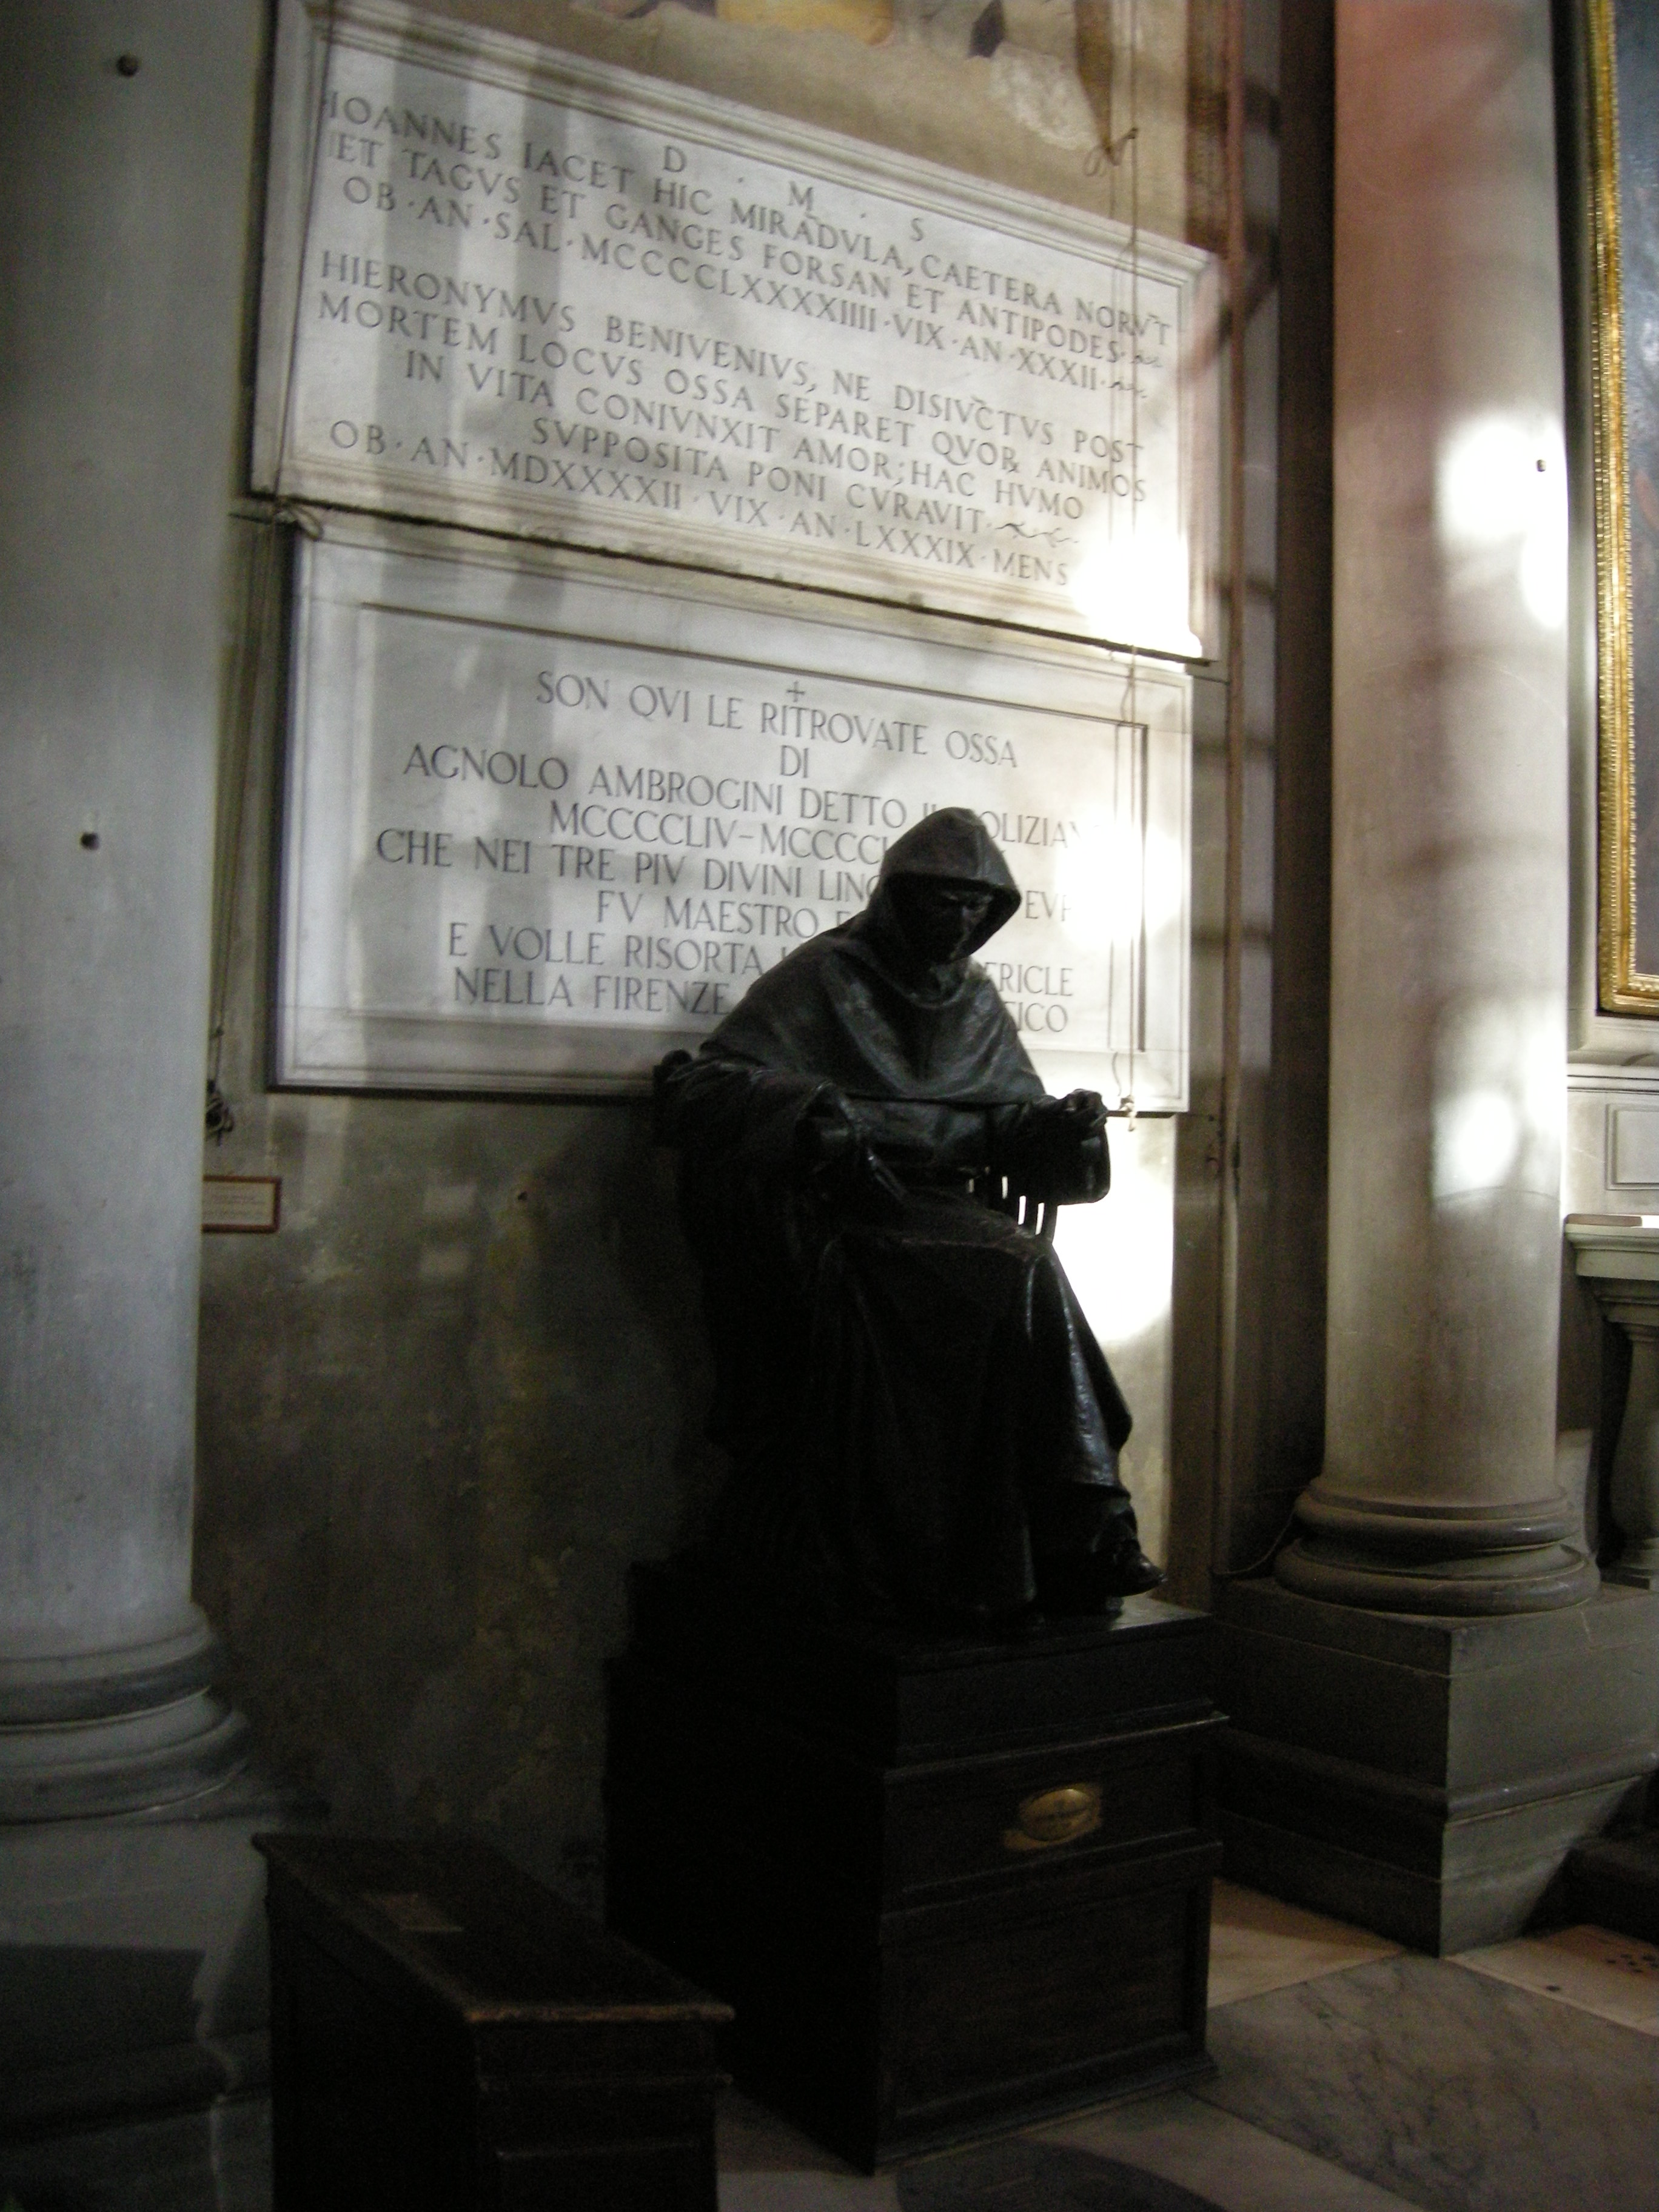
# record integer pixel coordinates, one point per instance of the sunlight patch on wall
(1501, 508)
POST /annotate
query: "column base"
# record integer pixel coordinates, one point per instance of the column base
(1426, 1778)
(1493, 1584)
(133, 1961)
(110, 1731)
(1404, 1556)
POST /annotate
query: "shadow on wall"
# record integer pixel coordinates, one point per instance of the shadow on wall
(441, 1412)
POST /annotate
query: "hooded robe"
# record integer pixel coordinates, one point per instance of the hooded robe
(919, 1416)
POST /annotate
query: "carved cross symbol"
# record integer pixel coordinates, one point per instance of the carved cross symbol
(795, 692)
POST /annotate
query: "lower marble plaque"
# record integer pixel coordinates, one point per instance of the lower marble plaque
(547, 815)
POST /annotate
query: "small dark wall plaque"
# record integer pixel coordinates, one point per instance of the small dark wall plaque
(242, 1205)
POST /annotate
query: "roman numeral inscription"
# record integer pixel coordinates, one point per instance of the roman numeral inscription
(525, 292)
(541, 824)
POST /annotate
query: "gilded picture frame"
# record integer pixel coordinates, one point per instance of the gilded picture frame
(1623, 41)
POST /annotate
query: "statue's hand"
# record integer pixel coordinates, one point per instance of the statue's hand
(1057, 1151)
(826, 1135)
(837, 1159)
(1081, 1115)
(869, 1190)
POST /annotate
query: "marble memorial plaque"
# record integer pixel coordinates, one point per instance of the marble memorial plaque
(547, 816)
(524, 292)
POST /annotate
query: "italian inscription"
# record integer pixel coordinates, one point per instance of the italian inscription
(558, 296)
(562, 847)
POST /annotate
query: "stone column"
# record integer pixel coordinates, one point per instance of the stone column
(1450, 945)
(125, 197)
(1433, 1703)
(126, 141)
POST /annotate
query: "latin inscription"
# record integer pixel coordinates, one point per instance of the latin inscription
(652, 321)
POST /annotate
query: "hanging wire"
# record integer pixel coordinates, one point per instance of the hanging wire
(1238, 308)
(1117, 150)
(1132, 701)
(257, 638)
(1110, 151)
(256, 650)
(244, 695)
(1255, 1566)
(313, 166)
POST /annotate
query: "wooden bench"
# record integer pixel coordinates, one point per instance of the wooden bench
(447, 2033)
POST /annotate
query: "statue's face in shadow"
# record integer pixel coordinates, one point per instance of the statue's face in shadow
(940, 920)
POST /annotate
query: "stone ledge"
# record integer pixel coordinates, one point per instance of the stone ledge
(1425, 1777)
(91, 2092)
(1441, 1644)
(1519, 1699)
(1422, 1801)
(1486, 1881)
(133, 1963)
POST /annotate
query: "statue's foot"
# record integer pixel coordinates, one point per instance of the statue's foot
(1126, 1570)
(1098, 1581)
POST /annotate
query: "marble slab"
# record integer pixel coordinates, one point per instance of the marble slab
(513, 288)
(1453, 2090)
(1259, 1943)
(546, 815)
(1152, 2154)
(1614, 1977)
(767, 2165)
(1236, 2166)
(1028, 2174)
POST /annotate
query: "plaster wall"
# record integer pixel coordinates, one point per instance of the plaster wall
(463, 1385)
(906, 74)
(461, 1389)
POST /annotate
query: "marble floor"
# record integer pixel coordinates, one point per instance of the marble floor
(1351, 2077)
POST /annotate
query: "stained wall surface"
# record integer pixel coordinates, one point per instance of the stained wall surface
(463, 1384)
(1107, 105)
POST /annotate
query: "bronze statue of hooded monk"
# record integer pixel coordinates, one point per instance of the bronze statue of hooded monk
(923, 1426)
